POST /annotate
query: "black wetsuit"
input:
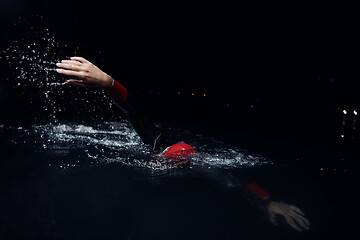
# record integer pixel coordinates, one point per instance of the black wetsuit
(151, 133)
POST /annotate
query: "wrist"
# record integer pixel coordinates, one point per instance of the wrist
(118, 92)
(108, 82)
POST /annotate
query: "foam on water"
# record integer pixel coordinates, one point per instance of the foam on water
(119, 143)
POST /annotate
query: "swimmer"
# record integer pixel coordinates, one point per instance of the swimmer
(85, 74)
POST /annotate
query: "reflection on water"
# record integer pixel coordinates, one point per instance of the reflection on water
(349, 124)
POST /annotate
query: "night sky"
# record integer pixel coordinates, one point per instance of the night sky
(258, 45)
(291, 59)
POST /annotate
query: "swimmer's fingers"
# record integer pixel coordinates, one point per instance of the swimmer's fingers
(297, 210)
(80, 59)
(299, 223)
(292, 223)
(300, 217)
(80, 83)
(72, 62)
(296, 220)
(75, 82)
(69, 66)
(302, 221)
(70, 72)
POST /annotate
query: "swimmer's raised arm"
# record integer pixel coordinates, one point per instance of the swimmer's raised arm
(84, 72)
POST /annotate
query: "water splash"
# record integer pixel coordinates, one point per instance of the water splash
(32, 59)
(28, 65)
(118, 143)
(56, 84)
(229, 157)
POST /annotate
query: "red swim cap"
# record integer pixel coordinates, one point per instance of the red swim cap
(178, 150)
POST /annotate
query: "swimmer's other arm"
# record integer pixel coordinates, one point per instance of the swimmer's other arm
(259, 197)
(294, 217)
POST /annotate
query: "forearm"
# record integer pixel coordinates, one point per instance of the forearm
(86, 74)
(118, 93)
(257, 190)
(145, 127)
(250, 190)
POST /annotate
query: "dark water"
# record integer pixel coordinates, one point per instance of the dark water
(98, 181)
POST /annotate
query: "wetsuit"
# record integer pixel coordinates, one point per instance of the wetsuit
(150, 133)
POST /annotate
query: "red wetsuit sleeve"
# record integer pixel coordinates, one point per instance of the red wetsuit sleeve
(257, 190)
(118, 93)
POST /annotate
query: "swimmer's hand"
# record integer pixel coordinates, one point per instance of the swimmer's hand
(84, 72)
(293, 215)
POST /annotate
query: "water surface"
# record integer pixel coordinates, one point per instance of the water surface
(92, 181)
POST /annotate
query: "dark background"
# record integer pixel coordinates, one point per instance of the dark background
(283, 70)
